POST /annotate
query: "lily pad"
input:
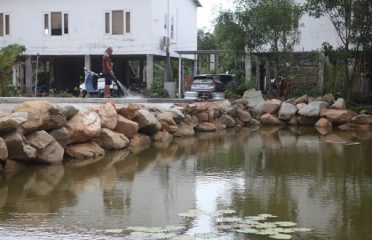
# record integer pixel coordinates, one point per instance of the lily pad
(140, 234)
(267, 215)
(114, 230)
(280, 236)
(285, 224)
(226, 211)
(174, 228)
(266, 225)
(229, 219)
(271, 231)
(301, 229)
(188, 215)
(163, 235)
(137, 229)
(183, 237)
(206, 235)
(247, 230)
(286, 230)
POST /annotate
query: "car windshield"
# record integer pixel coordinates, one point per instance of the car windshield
(202, 80)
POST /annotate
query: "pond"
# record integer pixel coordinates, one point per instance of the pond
(321, 183)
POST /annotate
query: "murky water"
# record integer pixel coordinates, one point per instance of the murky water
(320, 182)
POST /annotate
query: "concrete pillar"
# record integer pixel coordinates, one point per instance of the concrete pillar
(212, 63)
(258, 73)
(248, 67)
(29, 76)
(87, 63)
(195, 67)
(217, 63)
(268, 75)
(14, 75)
(149, 70)
(321, 73)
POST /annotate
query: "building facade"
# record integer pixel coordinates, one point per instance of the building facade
(67, 35)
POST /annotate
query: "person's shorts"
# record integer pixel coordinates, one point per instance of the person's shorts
(108, 79)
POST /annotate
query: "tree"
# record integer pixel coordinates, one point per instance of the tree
(260, 26)
(352, 20)
(9, 56)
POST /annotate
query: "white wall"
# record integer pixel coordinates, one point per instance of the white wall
(86, 26)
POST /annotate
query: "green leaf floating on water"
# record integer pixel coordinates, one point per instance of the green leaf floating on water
(229, 219)
(285, 224)
(301, 229)
(114, 230)
(140, 234)
(247, 230)
(280, 236)
(267, 215)
(226, 211)
(183, 237)
(163, 235)
(206, 235)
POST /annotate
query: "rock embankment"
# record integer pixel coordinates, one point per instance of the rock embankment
(41, 132)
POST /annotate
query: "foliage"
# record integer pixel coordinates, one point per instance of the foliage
(237, 90)
(9, 56)
(352, 21)
(157, 89)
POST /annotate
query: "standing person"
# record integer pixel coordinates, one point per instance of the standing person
(108, 73)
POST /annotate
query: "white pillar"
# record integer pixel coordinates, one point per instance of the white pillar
(14, 76)
(180, 82)
(87, 63)
(149, 70)
(248, 67)
(195, 68)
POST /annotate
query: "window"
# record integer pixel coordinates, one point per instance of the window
(56, 24)
(172, 27)
(4, 24)
(117, 22)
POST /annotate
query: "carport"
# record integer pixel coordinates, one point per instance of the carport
(211, 60)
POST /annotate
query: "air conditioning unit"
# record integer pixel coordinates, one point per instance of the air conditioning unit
(163, 42)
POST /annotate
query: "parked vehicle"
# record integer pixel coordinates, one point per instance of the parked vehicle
(94, 85)
(206, 84)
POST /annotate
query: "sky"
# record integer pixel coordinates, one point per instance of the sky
(208, 12)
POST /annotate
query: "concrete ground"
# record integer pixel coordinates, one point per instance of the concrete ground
(8, 103)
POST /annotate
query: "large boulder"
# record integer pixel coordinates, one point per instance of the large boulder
(243, 115)
(127, 127)
(83, 127)
(178, 115)
(287, 111)
(271, 106)
(147, 122)
(228, 121)
(338, 104)
(12, 121)
(162, 136)
(337, 116)
(255, 99)
(313, 109)
(84, 150)
(362, 119)
(167, 122)
(108, 115)
(61, 135)
(323, 123)
(130, 111)
(192, 121)
(202, 116)
(42, 115)
(111, 140)
(206, 127)
(69, 111)
(48, 149)
(329, 98)
(307, 121)
(3, 150)
(302, 99)
(184, 130)
(18, 148)
(269, 119)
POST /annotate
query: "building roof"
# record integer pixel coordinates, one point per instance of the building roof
(197, 3)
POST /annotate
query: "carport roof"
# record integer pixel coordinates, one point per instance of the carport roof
(199, 52)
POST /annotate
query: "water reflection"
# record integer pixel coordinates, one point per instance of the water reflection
(321, 181)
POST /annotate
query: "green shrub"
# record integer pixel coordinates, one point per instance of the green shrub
(157, 90)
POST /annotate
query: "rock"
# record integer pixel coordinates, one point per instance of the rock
(108, 115)
(291, 101)
(147, 122)
(222, 106)
(192, 121)
(364, 112)
(302, 120)
(226, 120)
(84, 150)
(300, 106)
(206, 127)
(12, 121)
(337, 116)
(243, 115)
(302, 99)
(219, 125)
(178, 116)
(313, 109)
(344, 127)
(212, 114)
(127, 127)
(130, 111)
(69, 111)
(18, 149)
(338, 104)
(269, 119)
(202, 116)
(61, 135)
(254, 122)
(12, 167)
(323, 130)
(3, 150)
(162, 136)
(83, 127)
(323, 123)
(271, 106)
(287, 111)
(362, 119)
(111, 140)
(55, 119)
(329, 98)
(140, 142)
(48, 149)
(254, 98)
(184, 130)
(167, 122)
(293, 121)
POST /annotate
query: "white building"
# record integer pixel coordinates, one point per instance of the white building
(68, 35)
